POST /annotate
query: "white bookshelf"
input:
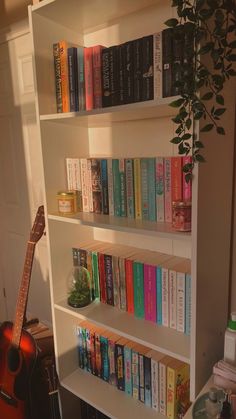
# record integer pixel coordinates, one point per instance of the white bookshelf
(135, 130)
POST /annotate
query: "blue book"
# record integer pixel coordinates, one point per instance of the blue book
(104, 183)
(159, 295)
(73, 78)
(151, 174)
(81, 78)
(188, 304)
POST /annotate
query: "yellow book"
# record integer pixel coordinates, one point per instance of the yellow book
(178, 381)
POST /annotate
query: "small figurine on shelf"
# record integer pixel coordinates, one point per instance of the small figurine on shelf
(80, 289)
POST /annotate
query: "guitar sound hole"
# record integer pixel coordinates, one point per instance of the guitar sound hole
(13, 359)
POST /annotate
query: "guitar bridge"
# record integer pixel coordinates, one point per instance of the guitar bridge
(7, 398)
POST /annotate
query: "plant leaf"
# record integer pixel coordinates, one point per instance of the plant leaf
(199, 158)
(207, 128)
(186, 137)
(171, 23)
(188, 123)
(176, 140)
(188, 177)
(220, 100)
(219, 111)
(220, 130)
(199, 144)
(177, 103)
(207, 96)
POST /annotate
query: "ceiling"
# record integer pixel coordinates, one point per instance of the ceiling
(12, 11)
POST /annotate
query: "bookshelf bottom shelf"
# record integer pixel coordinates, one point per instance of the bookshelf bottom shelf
(106, 398)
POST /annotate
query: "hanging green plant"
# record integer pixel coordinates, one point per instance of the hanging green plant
(207, 28)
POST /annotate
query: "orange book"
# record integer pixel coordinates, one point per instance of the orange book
(176, 179)
(88, 73)
(64, 76)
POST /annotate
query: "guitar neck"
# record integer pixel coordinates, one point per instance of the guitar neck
(54, 405)
(23, 294)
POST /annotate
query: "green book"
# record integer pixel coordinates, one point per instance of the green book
(95, 274)
(116, 187)
(138, 289)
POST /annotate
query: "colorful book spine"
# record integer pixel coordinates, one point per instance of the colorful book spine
(116, 280)
(147, 67)
(144, 187)
(96, 185)
(137, 189)
(95, 274)
(73, 78)
(123, 212)
(117, 187)
(188, 304)
(178, 400)
(102, 278)
(64, 77)
(159, 295)
(88, 72)
(165, 296)
(168, 188)
(128, 369)
(119, 356)
(109, 279)
(150, 292)
(160, 199)
(92, 350)
(135, 374)
(176, 178)
(129, 176)
(123, 301)
(104, 181)
(97, 76)
(141, 378)
(151, 189)
(129, 285)
(104, 358)
(167, 58)
(98, 356)
(138, 289)
(80, 346)
(147, 381)
(85, 361)
(110, 187)
(106, 87)
(180, 301)
(57, 71)
(84, 184)
(81, 78)
(172, 299)
(187, 186)
(157, 65)
(88, 349)
(112, 362)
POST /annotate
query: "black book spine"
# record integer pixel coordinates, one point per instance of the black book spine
(137, 69)
(119, 357)
(147, 68)
(106, 83)
(188, 57)
(178, 52)
(128, 66)
(109, 279)
(167, 51)
(114, 74)
(121, 75)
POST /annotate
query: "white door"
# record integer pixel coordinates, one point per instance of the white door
(20, 180)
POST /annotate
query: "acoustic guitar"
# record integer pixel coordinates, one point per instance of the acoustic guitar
(18, 351)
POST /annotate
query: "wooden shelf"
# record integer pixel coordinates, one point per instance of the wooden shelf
(107, 398)
(131, 112)
(160, 338)
(123, 224)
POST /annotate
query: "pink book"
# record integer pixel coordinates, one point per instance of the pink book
(187, 187)
(168, 197)
(176, 178)
(150, 292)
(88, 73)
(97, 76)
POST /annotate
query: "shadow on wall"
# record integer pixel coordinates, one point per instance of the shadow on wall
(12, 11)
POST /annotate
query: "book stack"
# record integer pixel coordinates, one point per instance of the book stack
(159, 381)
(150, 285)
(224, 375)
(138, 188)
(142, 69)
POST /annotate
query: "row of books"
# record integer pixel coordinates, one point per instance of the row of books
(89, 412)
(138, 70)
(140, 188)
(147, 284)
(160, 381)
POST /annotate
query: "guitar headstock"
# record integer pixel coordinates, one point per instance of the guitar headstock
(39, 225)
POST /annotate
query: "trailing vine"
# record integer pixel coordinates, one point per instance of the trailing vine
(208, 28)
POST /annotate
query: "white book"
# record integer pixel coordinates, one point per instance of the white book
(157, 65)
(180, 301)
(110, 187)
(172, 299)
(69, 173)
(76, 175)
(84, 184)
(90, 190)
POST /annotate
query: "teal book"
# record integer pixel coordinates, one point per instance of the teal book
(95, 270)
(159, 295)
(123, 211)
(104, 358)
(187, 304)
(127, 366)
(151, 174)
(116, 187)
(144, 188)
(138, 289)
(129, 177)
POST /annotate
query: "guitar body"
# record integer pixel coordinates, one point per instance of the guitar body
(16, 368)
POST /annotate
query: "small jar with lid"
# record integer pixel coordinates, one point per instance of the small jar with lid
(66, 201)
(181, 215)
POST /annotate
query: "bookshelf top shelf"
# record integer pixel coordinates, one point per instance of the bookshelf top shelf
(83, 15)
(159, 338)
(135, 111)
